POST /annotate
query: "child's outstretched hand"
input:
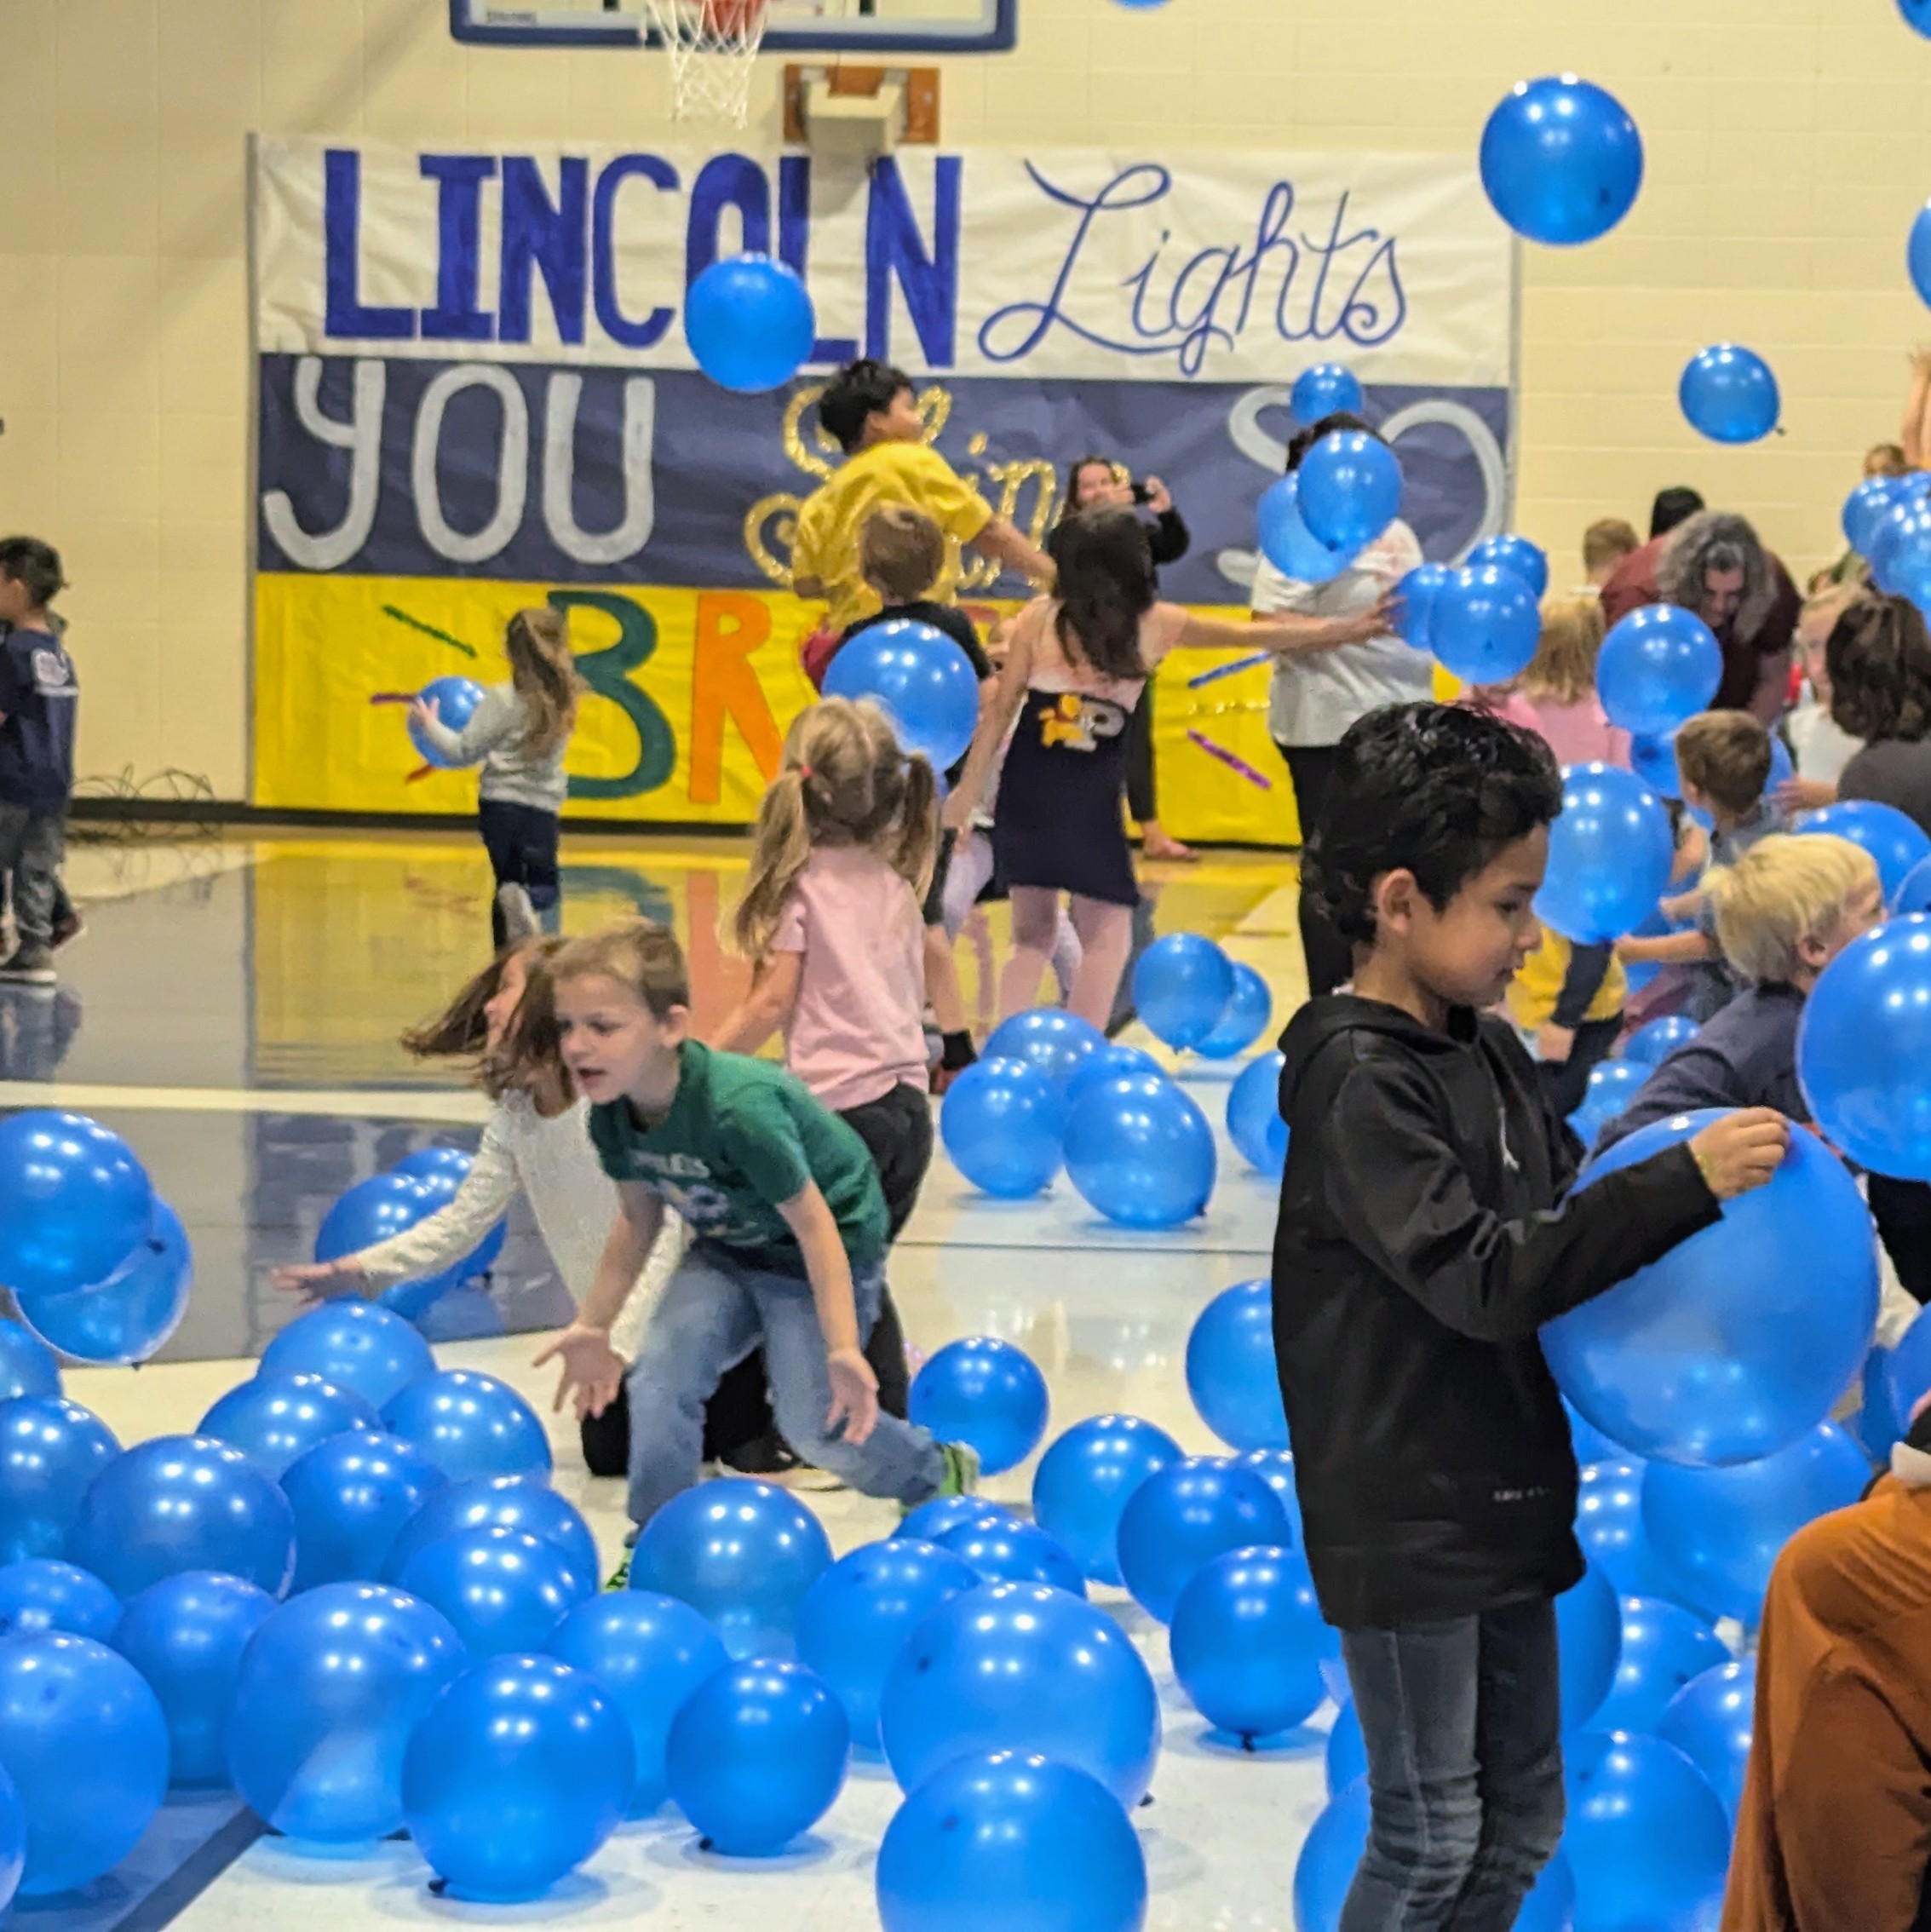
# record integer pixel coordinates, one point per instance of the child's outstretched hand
(1741, 1151)
(318, 1281)
(854, 1394)
(592, 1372)
(425, 711)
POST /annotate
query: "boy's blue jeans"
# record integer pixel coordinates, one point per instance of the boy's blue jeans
(1463, 1722)
(715, 1311)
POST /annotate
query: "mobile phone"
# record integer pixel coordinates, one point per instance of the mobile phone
(1142, 494)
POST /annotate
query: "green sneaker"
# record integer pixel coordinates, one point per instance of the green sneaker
(962, 1469)
(620, 1577)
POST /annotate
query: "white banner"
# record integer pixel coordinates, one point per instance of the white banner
(1197, 265)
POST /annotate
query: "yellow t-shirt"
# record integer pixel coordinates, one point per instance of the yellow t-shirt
(1534, 991)
(915, 474)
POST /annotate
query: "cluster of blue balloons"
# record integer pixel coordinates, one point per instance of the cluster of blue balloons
(1482, 621)
(921, 678)
(99, 1265)
(389, 1204)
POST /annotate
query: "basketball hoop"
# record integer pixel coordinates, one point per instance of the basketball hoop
(713, 47)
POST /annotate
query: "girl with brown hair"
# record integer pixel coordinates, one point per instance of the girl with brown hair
(519, 734)
(1878, 659)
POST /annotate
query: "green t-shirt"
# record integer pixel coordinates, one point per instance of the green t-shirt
(741, 1136)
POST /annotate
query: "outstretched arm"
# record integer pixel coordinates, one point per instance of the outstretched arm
(765, 1007)
(999, 540)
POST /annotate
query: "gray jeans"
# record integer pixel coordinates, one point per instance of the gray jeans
(715, 1310)
(31, 847)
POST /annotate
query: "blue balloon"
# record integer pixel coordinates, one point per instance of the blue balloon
(1658, 666)
(1653, 760)
(1244, 1017)
(1875, 1424)
(352, 1344)
(1022, 1667)
(331, 1686)
(1896, 843)
(986, 1393)
(1248, 1638)
(857, 1615)
(1914, 895)
(1591, 1444)
(1647, 1838)
(1664, 1646)
(1652, 1044)
(1058, 1042)
(84, 1742)
(456, 699)
(1612, 1085)
(743, 1553)
(1515, 555)
(1610, 852)
(387, 1205)
(1181, 984)
(126, 1317)
(1350, 488)
(1004, 1549)
(183, 1503)
(1589, 1631)
(501, 1589)
(448, 1165)
(40, 1594)
(1140, 1151)
(1328, 1856)
(1004, 1123)
(186, 1636)
(513, 1502)
(28, 1366)
(930, 1520)
(1866, 508)
(1864, 1050)
(1418, 591)
(1254, 1124)
(1918, 17)
(77, 1203)
(1738, 1341)
(1275, 1468)
(1710, 1720)
(1917, 248)
(1900, 547)
(1112, 1060)
(1609, 1525)
(922, 680)
(1230, 1368)
(1083, 1481)
(750, 324)
(469, 1424)
(1285, 540)
(1005, 1838)
(1485, 627)
(1561, 160)
(1907, 1368)
(517, 1774)
(650, 1654)
(1186, 1514)
(13, 1841)
(757, 1756)
(50, 1451)
(1345, 1758)
(1729, 394)
(1717, 1531)
(273, 1419)
(1325, 389)
(352, 1494)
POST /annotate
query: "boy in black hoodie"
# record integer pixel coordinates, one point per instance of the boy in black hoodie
(1426, 1234)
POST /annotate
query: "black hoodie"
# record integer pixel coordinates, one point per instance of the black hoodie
(1425, 1235)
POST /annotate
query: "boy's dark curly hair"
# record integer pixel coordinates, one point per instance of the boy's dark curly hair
(1435, 790)
(853, 394)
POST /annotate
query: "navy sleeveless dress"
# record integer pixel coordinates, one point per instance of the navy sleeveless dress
(1058, 822)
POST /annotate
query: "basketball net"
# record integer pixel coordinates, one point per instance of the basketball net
(713, 47)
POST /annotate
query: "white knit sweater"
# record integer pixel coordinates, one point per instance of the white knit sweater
(574, 1202)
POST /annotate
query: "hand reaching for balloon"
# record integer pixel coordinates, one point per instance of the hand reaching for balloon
(1806, 794)
(854, 1394)
(425, 711)
(1741, 1151)
(319, 1281)
(592, 1371)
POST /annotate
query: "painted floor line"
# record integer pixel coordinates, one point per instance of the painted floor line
(453, 1106)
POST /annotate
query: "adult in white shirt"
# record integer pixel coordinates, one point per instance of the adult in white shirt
(1348, 661)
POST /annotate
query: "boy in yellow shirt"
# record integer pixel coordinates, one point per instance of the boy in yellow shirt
(870, 408)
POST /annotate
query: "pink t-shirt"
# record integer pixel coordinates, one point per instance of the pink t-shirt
(1578, 734)
(857, 1030)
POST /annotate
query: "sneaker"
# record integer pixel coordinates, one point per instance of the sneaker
(962, 1469)
(620, 1577)
(765, 1454)
(68, 928)
(520, 920)
(29, 965)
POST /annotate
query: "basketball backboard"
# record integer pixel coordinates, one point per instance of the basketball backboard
(794, 26)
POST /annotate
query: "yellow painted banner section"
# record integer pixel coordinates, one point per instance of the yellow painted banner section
(691, 692)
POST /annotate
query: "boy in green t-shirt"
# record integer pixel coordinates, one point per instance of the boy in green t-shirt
(789, 1232)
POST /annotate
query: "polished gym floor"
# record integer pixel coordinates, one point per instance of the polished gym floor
(233, 1008)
